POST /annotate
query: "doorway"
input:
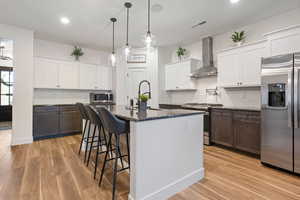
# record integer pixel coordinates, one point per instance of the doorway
(134, 77)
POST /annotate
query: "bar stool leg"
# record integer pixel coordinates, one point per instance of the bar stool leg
(128, 149)
(117, 150)
(105, 159)
(91, 146)
(87, 142)
(83, 134)
(97, 154)
(120, 156)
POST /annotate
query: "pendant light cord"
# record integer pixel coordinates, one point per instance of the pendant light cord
(113, 50)
(127, 26)
(148, 16)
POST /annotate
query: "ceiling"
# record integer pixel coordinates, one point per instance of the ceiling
(90, 25)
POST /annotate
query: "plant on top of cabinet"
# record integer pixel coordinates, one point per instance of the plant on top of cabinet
(238, 37)
(180, 52)
(77, 52)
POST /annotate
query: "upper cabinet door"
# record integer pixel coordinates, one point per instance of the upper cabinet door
(251, 66)
(104, 78)
(69, 75)
(229, 72)
(87, 77)
(107, 77)
(285, 45)
(170, 77)
(177, 76)
(183, 70)
(46, 73)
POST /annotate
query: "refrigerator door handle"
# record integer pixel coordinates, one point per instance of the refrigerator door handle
(296, 97)
(289, 94)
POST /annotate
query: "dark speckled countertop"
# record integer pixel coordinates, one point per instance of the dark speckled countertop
(150, 114)
(239, 108)
(197, 107)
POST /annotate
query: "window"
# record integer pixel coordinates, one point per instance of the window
(6, 86)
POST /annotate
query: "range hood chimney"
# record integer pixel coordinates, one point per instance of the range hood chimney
(208, 68)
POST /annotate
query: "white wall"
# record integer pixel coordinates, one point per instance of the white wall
(23, 88)
(53, 96)
(240, 97)
(60, 51)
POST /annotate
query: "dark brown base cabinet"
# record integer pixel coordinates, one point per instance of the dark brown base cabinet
(55, 121)
(236, 129)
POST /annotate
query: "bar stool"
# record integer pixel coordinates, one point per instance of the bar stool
(103, 140)
(100, 139)
(84, 116)
(115, 127)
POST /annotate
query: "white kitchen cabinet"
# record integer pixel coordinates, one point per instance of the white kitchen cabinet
(241, 66)
(284, 41)
(250, 61)
(228, 70)
(55, 74)
(104, 78)
(177, 76)
(68, 75)
(46, 73)
(52, 74)
(170, 77)
(87, 76)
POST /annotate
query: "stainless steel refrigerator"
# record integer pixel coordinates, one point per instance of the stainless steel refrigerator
(280, 132)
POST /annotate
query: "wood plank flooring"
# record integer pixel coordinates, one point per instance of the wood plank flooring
(52, 170)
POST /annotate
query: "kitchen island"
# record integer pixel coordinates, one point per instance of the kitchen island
(166, 148)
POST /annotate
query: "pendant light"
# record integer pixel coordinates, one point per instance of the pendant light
(113, 54)
(127, 5)
(148, 39)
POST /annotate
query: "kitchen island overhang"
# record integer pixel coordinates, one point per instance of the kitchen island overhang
(166, 148)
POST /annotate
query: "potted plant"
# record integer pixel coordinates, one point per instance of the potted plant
(180, 52)
(238, 37)
(77, 52)
(143, 102)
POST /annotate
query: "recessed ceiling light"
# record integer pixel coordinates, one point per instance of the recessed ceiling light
(234, 1)
(65, 20)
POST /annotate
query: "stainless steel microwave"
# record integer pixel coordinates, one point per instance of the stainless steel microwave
(106, 97)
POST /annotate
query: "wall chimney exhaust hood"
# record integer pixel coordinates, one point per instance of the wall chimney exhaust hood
(208, 69)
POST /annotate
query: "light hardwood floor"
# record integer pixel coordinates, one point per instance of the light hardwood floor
(52, 170)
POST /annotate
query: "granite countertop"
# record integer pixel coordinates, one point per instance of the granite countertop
(41, 105)
(241, 108)
(150, 114)
(196, 107)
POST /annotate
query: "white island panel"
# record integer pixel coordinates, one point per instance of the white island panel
(166, 156)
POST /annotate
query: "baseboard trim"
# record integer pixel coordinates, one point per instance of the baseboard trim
(19, 141)
(174, 187)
